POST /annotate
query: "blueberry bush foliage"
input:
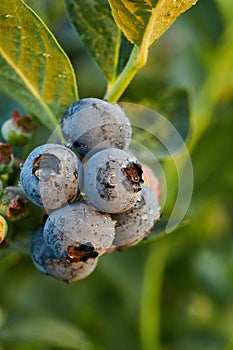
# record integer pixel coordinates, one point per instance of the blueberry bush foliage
(173, 291)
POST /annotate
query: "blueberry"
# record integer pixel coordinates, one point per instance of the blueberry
(49, 176)
(135, 224)
(61, 269)
(67, 271)
(94, 123)
(78, 232)
(112, 180)
(39, 252)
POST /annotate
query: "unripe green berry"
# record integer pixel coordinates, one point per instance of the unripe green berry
(18, 130)
(3, 228)
(6, 158)
(13, 205)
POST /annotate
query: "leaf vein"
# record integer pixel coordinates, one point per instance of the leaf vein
(29, 86)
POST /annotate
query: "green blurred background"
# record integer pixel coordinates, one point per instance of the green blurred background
(175, 293)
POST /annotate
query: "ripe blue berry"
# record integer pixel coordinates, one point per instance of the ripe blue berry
(112, 180)
(39, 252)
(93, 123)
(67, 271)
(135, 224)
(78, 232)
(49, 176)
(61, 269)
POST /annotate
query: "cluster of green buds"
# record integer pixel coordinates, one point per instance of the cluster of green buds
(16, 131)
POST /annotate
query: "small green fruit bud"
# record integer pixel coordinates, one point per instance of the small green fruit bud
(13, 205)
(18, 130)
(6, 158)
(3, 228)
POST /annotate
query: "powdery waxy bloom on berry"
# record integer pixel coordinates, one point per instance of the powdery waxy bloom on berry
(92, 123)
(49, 176)
(18, 130)
(112, 180)
(61, 269)
(135, 224)
(78, 232)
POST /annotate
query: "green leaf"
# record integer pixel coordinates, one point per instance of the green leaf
(145, 21)
(94, 23)
(34, 69)
(125, 52)
(44, 331)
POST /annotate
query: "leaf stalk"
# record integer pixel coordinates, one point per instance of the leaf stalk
(137, 60)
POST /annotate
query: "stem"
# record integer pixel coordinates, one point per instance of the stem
(151, 296)
(136, 61)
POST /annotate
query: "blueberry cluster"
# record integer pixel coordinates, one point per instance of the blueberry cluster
(92, 189)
